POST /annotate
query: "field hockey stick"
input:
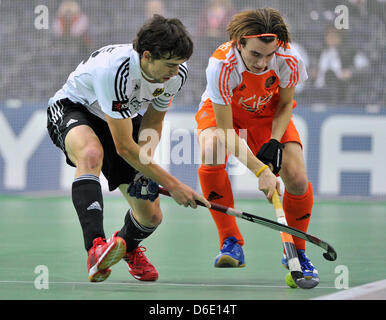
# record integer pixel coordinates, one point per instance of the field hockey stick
(290, 249)
(329, 255)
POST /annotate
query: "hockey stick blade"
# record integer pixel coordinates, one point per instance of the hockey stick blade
(293, 264)
(302, 282)
(330, 255)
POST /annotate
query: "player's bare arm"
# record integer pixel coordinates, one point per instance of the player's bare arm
(150, 130)
(129, 150)
(283, 112)
(234, 144)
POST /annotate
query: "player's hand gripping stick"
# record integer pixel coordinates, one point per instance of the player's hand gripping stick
(143, 188)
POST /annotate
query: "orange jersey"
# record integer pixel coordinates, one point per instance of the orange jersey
(250, 94)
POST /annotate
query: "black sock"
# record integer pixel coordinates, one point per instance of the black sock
(88, 202)
(133, 232)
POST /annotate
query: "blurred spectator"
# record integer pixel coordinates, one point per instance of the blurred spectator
(338, 67)
(25, 50)
(71, 27)
(214, 19)
(154, 7)
(211, 30)
(360, 6)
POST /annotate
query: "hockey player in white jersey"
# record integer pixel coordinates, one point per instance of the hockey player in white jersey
(94, 120)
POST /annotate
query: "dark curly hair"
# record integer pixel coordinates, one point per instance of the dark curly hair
(164, 38)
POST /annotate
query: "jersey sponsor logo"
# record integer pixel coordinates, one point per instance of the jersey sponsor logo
(158, 92)
(136, 104)
(252, 104)
(120, 105)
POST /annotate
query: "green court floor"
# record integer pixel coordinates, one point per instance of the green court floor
(45, 232)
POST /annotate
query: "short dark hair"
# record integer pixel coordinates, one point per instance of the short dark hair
(164, 38)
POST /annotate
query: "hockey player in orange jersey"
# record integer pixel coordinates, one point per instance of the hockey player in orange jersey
(251, 82)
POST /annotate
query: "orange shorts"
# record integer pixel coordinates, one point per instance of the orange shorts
(258, 129)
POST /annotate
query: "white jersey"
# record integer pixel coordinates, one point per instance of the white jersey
(110, 82)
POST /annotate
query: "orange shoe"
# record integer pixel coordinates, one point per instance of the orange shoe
(103, 255)
(139, 266)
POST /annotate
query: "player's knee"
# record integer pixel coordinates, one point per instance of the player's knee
(152, 219)
(156, 214)
(150, 215)
(297, 183)
(211, 151)
(156, 218)
(92, 157)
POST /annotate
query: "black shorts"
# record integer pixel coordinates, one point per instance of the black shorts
(64, 115)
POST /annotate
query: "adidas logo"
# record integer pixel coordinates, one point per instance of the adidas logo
(70, 122)
(214, 196)
(95, 206)
(204, 114)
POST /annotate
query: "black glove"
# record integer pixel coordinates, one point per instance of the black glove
(271, 153)
(143, 188)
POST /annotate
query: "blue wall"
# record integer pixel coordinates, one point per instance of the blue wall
(344, 150)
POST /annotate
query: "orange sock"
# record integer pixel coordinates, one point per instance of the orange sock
(216, 187)
(298, 210)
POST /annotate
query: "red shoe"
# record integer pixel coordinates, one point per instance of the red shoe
(103, 255)
(139, 266)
